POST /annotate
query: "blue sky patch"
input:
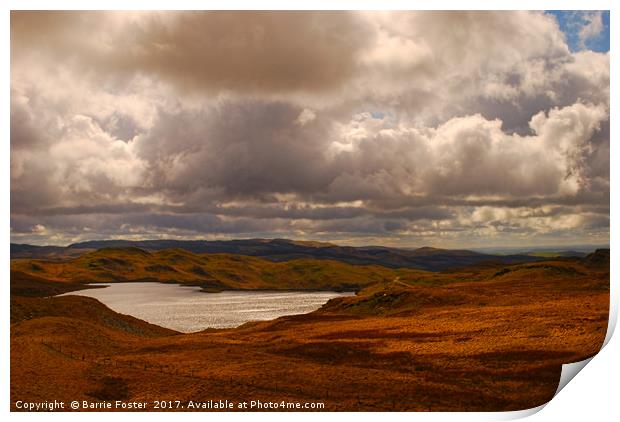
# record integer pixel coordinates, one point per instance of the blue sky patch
(584, 30)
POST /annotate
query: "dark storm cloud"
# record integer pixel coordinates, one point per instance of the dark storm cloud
(24, 130)
(137, 223)
(243, 148)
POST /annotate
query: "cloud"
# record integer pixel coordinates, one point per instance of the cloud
(209, 51)
(306, 115)
(359, 126)
(592, 27)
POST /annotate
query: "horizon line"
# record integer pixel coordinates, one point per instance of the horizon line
(473, 248)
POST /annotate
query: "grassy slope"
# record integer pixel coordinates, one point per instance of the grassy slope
(279, 250)
(209, 270)
(28, 285)
(481, 339)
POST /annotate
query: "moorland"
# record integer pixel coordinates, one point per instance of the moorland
(484, 337)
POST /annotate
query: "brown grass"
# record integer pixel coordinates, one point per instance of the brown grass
(477, 340)
(212, 271)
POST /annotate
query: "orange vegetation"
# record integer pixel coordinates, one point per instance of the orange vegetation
(213, 271)
(481, 339)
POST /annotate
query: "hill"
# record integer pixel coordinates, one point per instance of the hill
(211, 271)
(23, 251)
(28, 285)
(598, 259)
(483, 339)
(281, 250)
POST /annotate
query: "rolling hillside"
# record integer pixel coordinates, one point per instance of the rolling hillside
(281, 250)
(211, 271)
(484, 339)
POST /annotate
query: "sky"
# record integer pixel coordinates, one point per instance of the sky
(448, 129)
(584, 30)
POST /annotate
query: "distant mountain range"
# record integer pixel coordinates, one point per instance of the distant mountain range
(426, 258)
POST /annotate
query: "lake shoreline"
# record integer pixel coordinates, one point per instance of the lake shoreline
(102, 284)
(177, 306)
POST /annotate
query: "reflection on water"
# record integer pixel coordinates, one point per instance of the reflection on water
(187, 309)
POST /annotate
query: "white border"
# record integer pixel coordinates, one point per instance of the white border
(593, 393)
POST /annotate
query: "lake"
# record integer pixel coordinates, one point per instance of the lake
(187, 309)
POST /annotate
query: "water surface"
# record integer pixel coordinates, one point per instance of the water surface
(187, 309)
